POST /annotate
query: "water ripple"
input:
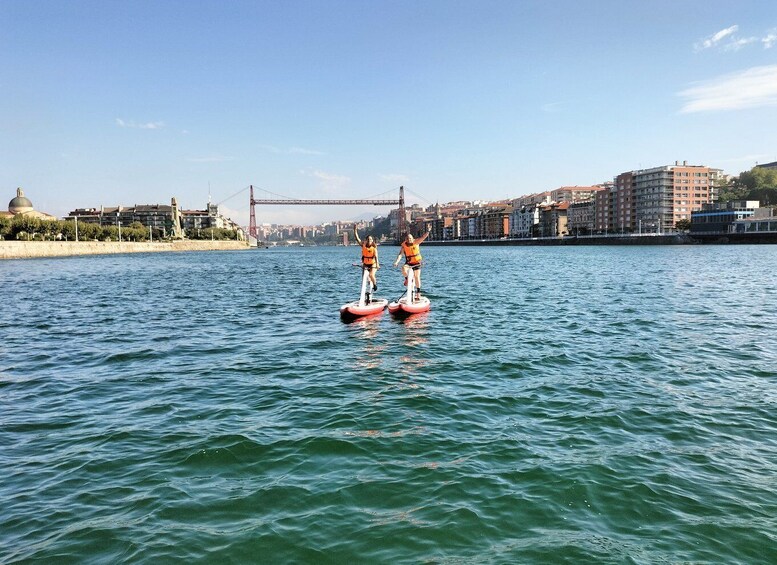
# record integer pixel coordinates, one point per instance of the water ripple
(615, 406)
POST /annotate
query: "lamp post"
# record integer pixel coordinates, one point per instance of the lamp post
(118, 223)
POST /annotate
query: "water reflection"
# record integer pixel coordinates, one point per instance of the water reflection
(367, 330)
(418, 321)
(415, 345)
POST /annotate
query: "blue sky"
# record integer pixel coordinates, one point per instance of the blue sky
(107, 102)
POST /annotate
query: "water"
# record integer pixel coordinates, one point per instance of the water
(557, 405)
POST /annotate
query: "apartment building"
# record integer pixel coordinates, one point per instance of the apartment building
(166, 219)
(653, 200)
(664, 195)
(553, 220)
(604, 210)
(496, 222)
(623, 203)
(531, 200)
(210, 217)
(580, 217)
(574, 193)
(522, 221)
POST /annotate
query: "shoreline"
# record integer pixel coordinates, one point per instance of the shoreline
(672, 239)
(40, 249)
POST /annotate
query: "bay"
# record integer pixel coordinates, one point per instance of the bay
(564, 405)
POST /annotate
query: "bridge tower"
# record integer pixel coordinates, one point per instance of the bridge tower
(401, 220)
(252, 219)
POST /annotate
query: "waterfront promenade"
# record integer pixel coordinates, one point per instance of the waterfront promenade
(32, 249)
(618, 239)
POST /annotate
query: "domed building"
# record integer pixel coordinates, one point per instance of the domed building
(21, 205)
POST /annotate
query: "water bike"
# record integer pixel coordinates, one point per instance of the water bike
(366, 305)
(409, 303)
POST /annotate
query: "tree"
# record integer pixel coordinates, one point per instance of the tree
(24, 226)
(88, 231)
(5, 227)
(729, 192)
(50, 229)
(109, 233)
(756, 184)
(212, 233)
(68, 230)
(683, 225)
(758, 178)
(134, 232)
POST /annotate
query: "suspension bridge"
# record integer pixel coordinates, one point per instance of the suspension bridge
(253, 202)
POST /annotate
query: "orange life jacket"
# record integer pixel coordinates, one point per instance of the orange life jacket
(368, 255)
(412, 253)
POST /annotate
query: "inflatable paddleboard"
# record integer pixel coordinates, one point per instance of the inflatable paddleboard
(354, 310)
(366, 305)
(405, 306)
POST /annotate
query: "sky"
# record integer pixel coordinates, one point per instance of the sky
(134, 102)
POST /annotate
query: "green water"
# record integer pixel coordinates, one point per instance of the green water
(557, 405)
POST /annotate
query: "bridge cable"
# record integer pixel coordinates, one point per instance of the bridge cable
(276, 194)
(418, 195)
(230, 197)
(392, 191)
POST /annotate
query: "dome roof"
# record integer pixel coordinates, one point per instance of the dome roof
(19, 204)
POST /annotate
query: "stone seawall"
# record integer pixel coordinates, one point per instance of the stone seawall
(32, 249)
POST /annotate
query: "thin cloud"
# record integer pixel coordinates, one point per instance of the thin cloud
(395, 177)
(553, 107)
(715, 39)
(331, 177)
(752, 88)
(291, 151)
(737, 43)
(728, 40)
(303, 151)
(211, 159)
(130, 124)
(329, 182)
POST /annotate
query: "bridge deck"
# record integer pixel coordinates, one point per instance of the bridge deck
(324, 202)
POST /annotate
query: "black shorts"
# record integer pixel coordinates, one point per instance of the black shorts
(414, 267)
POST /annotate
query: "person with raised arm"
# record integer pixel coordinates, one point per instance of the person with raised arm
(411, 249)
(370, 260)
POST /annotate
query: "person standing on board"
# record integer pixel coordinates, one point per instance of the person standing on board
(411, 249)
(369, 257)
